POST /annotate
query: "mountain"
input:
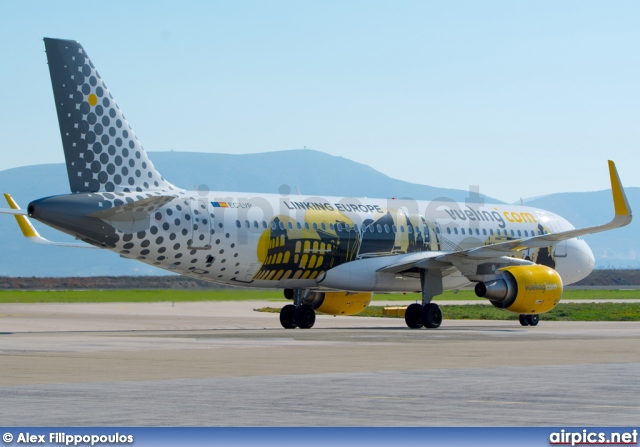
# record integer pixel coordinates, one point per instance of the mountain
(312, 172)
(612, 249)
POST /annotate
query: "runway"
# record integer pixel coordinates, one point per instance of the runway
(223, 364)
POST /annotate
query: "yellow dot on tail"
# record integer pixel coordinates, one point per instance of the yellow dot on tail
(93, 99)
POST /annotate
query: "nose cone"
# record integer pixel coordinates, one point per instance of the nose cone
(579, 262)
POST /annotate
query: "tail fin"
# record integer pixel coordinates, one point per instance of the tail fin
(101, 150)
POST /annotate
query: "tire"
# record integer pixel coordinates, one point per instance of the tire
(524, 320)
(287, 316)
(305, 316)
(431, 316)
(412, 316)
(533, 319)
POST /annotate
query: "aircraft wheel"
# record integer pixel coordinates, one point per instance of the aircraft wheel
(534, 320)
(412, 316)
(524, 320)
(287, 316)
(305, 316)
(431, 316)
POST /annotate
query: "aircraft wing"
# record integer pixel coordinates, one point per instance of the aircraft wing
(28, 229)
(441, 260)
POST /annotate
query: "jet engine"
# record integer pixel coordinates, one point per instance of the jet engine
(338, 303)
(523, 289)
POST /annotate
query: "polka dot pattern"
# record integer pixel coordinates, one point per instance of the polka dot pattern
(147, 218)
(101, 150)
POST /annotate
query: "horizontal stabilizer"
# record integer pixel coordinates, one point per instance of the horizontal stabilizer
(28, 229)
(132, 217)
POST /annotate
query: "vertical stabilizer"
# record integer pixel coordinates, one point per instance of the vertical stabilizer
(101, 150)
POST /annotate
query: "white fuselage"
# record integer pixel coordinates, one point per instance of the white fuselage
(276, 241)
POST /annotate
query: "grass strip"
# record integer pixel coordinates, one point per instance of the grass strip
(135, 296)
(184, 295)
(469, 295)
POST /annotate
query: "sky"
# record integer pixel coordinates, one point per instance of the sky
(521, 98)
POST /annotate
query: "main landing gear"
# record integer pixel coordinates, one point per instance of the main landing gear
(529, 320)
(427, 314)
(297, 314)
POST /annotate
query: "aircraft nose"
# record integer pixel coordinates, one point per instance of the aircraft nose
(585, 261)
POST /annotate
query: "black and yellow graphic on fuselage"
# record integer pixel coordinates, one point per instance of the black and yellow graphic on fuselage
(290, 249)
(543, 255)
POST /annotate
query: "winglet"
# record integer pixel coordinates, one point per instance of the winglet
(620, 202)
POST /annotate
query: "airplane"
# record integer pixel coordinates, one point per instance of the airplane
(328, 254)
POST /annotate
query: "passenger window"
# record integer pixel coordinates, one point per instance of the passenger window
(238, 224)
(448, 230)
(393, 228)
(306, 225)
(255, 224)
(315, 226)
(379, 228)
(462, 230)
(331, 226)
(401, 228)
(484, 231)
(386, 228)
(298, 226)
(455, 230)
(512, 233)
(247, 224)
(519, 233)
(290, 225)
(491, 232)
(410, 229)
(324, 227)
(273, 225)
(281, 225)
(339, 226)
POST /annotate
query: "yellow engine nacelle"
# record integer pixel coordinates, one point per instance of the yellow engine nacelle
(524, 289)
(343, 303)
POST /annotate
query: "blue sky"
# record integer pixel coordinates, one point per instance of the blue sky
(521, 98)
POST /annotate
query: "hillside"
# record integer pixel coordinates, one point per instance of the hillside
(606, 278)
(312, 172)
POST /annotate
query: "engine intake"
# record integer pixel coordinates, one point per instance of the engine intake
(524, 289)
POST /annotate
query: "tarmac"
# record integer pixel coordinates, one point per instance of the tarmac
(224, 364)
